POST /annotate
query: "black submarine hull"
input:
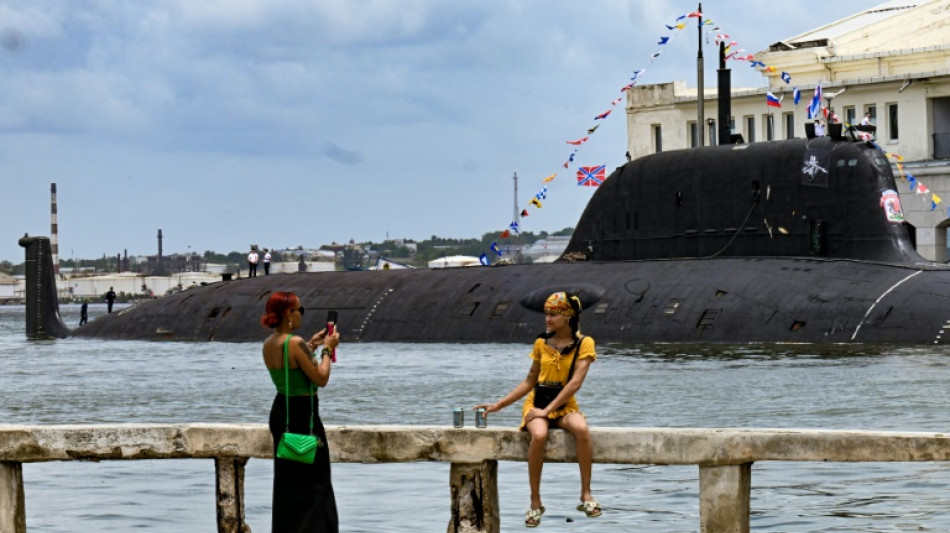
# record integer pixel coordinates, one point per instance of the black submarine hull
(787, 241)
(718, 300)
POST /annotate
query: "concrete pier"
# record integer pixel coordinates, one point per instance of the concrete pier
(724, 458)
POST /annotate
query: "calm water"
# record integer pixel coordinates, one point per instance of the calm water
(87, 382)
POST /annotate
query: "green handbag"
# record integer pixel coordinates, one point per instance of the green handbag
(295, 446)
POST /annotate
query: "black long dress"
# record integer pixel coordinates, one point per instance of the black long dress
(303, 494)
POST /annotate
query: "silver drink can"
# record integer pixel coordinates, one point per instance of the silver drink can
(480, 420)
(458, 417)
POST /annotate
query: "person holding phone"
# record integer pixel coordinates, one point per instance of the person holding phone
(303, 493)
(561, 358)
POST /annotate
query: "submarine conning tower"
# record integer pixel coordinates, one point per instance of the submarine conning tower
(819, 197)
(43, 320)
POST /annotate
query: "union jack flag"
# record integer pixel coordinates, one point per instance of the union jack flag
(591, 176)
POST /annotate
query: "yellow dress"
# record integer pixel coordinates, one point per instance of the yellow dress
(555, 367)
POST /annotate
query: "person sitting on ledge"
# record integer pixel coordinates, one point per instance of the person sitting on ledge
(561, 359)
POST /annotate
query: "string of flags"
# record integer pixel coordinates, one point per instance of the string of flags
(733, 52)
(593, 176)
(913, 182)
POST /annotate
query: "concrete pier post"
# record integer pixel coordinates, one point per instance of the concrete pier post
(474, 490)
(229, 494)
(12, 500)
(724, 493)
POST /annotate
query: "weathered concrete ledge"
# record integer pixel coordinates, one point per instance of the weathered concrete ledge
(386, 444)
(724, 457)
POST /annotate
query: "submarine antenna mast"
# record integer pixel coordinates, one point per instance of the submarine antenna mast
(725, 97)
(700, 91)
(515, 179)
(517, 235)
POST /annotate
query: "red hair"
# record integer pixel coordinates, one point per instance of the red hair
(278, 303)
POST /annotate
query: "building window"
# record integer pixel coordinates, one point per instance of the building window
(750, 129)
(789, 125)
(849, 115)
(892, 122)
(712, 131)
(693, 135)
(657, 137)
(768, 127)
(873, 111)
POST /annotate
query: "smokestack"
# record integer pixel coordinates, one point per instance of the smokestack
(54, 231)
(159, 245)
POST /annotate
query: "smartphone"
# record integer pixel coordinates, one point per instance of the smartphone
(331, 323)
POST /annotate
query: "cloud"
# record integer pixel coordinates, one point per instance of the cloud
(342, 155)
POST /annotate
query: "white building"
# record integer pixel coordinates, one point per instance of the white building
(455, 261)
(546, 250)
(892, 60)
(8, 287)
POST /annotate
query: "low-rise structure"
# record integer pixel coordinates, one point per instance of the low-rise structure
(8, 287)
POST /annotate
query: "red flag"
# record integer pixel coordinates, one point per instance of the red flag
(591, 176)
(578, 141)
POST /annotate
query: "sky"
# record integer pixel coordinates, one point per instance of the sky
(287, 123)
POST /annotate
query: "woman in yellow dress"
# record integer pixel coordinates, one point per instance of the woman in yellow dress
(561, 356)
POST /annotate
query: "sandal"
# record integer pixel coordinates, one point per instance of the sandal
(590, 508)
(532, 518)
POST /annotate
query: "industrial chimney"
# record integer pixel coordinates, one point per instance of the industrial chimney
(159, 265)
(54, 231)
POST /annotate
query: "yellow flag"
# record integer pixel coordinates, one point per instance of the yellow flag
(549, 178)
(936, 199)
(535, 202)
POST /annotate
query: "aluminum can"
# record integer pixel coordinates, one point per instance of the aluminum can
(458, 417)
(480, 420)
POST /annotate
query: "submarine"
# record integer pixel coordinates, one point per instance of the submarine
(791, 241)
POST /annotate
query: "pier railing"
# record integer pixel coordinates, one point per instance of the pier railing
(724, 457)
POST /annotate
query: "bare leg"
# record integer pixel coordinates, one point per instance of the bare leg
(538, 429)
(576, 424)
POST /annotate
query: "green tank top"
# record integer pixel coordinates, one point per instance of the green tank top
(299, 383)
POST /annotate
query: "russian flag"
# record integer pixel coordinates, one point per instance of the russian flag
(771, 100)
(815, 107)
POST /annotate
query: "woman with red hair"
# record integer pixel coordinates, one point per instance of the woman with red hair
(303, 494)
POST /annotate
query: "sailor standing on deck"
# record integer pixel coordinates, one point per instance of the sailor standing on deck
(267, 258)
(252, 259)
(110, 299)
